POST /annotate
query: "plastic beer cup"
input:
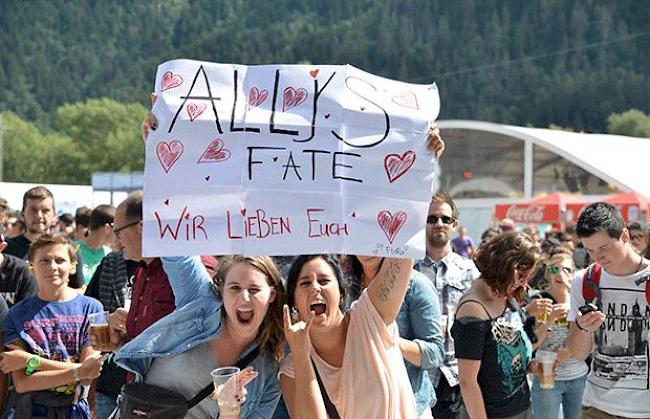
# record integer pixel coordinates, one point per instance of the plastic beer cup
(226, 385)
(99, 328)
(547, 376)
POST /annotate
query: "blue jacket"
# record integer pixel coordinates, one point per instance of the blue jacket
(419, 320)
(198, 318)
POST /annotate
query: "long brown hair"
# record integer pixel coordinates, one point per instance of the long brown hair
(271, 333)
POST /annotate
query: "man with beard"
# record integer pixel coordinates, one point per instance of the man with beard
(40, 217)
(451, 274)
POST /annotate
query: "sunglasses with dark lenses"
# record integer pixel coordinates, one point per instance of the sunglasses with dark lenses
(433, 219)
(554, 269)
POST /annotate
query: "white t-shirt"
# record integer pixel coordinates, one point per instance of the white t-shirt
(619, 382)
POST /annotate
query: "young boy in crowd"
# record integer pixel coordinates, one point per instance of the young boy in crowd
(46, 337)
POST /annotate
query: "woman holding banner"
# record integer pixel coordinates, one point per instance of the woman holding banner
(337, 356)
(420, 340)
(215, 326)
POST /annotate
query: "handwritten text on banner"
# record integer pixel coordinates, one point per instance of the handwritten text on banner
(285, 160)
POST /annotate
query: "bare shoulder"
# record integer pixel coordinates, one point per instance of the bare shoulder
(472, 307)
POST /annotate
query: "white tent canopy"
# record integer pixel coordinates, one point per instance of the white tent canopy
(617, 159)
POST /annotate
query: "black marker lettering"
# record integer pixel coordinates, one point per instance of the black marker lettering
(189, 96)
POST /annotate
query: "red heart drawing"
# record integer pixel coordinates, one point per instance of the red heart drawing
(170, 80)
(194, 110)
(293, 97)
(242, 212)
(390, 223)
(314, 73)
(215, 152)
(168, 153)
(407, 99)
(396, 165)
(256, 97)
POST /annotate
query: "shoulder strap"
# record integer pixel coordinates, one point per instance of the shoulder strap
(243, 363)
(591, 282)
(329, 406)
(477, 302)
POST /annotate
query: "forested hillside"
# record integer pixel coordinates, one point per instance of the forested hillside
(563, 62)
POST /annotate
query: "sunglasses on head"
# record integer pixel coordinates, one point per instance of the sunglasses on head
(554, 269)
(433, 219)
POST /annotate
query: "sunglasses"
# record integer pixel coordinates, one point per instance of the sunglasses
(554, 269)
(433, 219)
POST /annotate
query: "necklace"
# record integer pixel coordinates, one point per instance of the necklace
(638, 268)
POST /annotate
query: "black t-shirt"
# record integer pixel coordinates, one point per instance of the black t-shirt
(3, 310)
(504, 351)
(16, 283)
(19, 247)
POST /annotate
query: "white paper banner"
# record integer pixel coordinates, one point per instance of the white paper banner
(287, 160)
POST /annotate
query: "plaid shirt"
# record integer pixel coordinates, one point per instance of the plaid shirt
(452, 276)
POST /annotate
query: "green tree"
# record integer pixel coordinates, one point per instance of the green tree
(633, 123)
(106, 132)
(32, 156)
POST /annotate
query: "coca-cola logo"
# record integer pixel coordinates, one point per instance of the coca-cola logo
(529, 214)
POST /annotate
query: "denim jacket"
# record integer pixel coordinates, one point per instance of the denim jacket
(451, 277)
(419, 320)
(198, 318)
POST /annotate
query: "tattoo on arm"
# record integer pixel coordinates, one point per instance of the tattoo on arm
(388, 283)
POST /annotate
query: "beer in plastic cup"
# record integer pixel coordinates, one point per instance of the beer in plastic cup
(99, 328)
(547, 376)
(226, 384)
(562, 321)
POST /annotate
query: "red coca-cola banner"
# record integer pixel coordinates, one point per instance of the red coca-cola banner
(554, 208)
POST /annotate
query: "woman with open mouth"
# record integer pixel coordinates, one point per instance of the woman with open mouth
(354, 354)
(420, 341)
(216, 324)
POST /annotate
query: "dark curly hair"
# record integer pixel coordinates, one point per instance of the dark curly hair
(499, 258)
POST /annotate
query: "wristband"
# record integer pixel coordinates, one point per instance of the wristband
(32, 364)
(581, 328)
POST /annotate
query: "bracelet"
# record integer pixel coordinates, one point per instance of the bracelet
(580, 327)
(75, 373)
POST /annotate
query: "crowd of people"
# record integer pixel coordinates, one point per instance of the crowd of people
(455, 335)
